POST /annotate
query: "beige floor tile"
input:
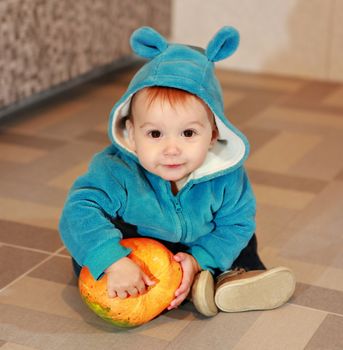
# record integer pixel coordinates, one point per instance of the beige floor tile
(12, 346)
(46, 296)
(259, 81)
(283, 151)
(43, 331)
(290, 327)
(284, 118)
(305, 272)
(66, 179)
(314, 235)
(324, 161)
(102, 127)
(167, 327)
(325, 211)
(32, 191)
(231, 97)
(284, 198)
(270, 220)
(19, 154)
(221, 332)
(335, 99)
(29, 213)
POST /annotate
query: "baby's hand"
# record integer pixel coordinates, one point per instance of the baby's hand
(125, 278)
(190, 268)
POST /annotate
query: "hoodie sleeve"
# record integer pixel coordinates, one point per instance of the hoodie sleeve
(234, 226)
(85, 225)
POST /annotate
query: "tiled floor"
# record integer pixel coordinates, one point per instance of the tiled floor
(296, 132)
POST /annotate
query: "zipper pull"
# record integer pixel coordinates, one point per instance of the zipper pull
(177, 206)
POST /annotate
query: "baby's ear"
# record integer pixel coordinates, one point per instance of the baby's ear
(224, 44)
(130, 134)
(147, 43)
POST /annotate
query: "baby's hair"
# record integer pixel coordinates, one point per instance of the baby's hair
(173, 96)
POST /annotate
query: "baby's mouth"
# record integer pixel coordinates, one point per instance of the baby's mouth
(173, 166)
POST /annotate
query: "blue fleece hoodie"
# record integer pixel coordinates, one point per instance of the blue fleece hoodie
(213, 213)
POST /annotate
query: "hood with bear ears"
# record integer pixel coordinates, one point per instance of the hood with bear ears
(191, 69)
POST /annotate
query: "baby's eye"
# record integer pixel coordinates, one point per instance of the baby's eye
(189, 133)
(155, 134)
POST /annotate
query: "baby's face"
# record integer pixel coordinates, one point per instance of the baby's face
(170, 141)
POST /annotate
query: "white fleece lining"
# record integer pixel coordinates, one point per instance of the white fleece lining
(225, 153)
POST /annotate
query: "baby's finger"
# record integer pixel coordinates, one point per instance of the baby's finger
(112, 293)
(184, 286)
(179, 257)
(147, 280)
(177, 301)
(141, 288)
(133, 292)
(122, 295)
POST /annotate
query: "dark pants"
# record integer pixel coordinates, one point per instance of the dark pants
(247, 259)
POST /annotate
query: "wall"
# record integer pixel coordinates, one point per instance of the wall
(44, 44)
(295, 37)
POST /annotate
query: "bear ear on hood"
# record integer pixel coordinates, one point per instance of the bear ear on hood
(224, 44)
(147, 42)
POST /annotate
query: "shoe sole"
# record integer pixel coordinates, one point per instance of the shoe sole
(265, 291)
(203, 294)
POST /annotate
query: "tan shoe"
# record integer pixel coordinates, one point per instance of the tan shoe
(203, 294)
(239, 290)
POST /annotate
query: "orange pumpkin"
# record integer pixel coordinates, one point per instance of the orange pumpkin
(158, 263)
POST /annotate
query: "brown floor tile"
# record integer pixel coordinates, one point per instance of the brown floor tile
(286, 181)
(312, 94)
(95, 136)
(329, 335)
(32, 141)
(318, 298)
(14, 262)
(246, 109)
(339, 176)
(258, 137)
(57, 270)
(29, 236)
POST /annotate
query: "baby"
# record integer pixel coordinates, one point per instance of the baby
(174, 172)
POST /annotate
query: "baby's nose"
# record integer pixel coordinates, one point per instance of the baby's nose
(171, 148)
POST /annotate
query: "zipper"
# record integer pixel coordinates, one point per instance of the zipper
(181, 217)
